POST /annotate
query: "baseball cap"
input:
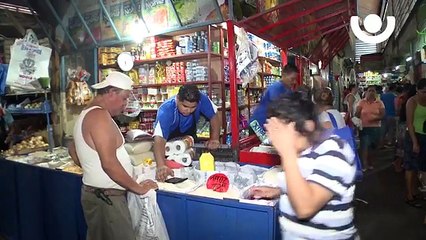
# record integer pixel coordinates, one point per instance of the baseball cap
(115, 79)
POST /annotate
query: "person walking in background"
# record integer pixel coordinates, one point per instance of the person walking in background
(273, 92)
(415, 148)
(407, 92)
(351, 102)
(328, 116)
(371, 111)
(389, 122)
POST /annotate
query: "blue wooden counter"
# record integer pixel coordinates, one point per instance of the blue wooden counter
(43, 204)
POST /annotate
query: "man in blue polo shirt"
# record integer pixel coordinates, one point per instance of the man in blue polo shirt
(274, 91)
(178, 117)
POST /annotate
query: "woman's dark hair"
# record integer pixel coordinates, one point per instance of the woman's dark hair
(297, 108)
(351, 86)
(189, 93)
(421, 84)
(411, 91)
(325, 102)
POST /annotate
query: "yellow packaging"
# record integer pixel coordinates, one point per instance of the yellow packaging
(207, 162)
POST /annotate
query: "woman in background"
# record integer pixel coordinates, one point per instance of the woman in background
(328, 117)
(371, 111)
(415, 144)
(317, 186)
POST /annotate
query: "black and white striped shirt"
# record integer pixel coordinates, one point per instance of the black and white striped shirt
(332, 165)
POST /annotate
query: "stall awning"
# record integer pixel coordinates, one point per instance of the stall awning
(319, 28)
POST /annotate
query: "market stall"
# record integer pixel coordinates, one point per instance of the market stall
(174, 47)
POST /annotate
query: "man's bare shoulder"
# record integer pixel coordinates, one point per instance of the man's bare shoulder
(98, 118)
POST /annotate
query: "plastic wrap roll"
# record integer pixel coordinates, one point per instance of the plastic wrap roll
(169, 148)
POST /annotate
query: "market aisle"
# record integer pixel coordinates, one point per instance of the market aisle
(387, 216)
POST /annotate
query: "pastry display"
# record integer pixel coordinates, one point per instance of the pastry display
(78, 91)
(35, 105)
(26, 146)
(72, 168)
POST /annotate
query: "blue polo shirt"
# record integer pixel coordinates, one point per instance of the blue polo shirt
(388, 100)
(170, 119)
(272, 93)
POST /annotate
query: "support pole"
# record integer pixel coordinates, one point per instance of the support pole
(233, 85)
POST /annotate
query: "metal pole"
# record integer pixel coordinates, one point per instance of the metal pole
(175, 12)
(139, 13)
(217, 8)
(84, 22)
(55, 14)
(233, 85)
(114, 28)
(42, 26)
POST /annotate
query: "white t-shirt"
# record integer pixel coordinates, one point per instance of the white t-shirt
(324, 117)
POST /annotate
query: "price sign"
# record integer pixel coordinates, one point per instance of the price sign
(218, 182)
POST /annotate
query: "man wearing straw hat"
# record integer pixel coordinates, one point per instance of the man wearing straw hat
(98, 148)
(177, 117)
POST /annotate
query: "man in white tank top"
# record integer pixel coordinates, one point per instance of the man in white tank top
(98, 149)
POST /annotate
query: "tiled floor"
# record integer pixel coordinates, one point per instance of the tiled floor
(387, 216)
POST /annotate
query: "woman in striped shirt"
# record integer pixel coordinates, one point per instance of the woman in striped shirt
(317, 185)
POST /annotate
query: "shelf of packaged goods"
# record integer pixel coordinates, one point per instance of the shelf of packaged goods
(149, 109)
(263, 74)
(174, 84)
(270, 60)
(182, 57)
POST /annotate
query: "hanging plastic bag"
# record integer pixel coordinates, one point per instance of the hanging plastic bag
(147, 220)
(247, 64)
(78, 91)
(29, 61)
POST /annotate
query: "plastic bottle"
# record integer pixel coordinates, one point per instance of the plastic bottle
(207, 162)
(260, 133)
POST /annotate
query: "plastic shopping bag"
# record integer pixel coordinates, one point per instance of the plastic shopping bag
(147, 220)
(29, 61)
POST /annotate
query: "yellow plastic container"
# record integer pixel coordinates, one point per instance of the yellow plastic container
(207, 162)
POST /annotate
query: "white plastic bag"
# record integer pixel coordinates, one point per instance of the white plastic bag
(29, 61)
(247, 64)
(147, 220)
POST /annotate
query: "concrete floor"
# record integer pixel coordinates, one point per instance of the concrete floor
(387, 216)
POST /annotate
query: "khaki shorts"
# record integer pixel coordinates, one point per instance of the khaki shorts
(104, 221)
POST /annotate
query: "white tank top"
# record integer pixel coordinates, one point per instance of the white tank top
(93, 174)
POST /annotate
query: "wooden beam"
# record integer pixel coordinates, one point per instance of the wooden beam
(16, 23)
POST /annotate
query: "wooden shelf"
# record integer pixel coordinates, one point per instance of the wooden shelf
(229, 108)
(238, 83)
(26, 93)
(255, 87)
(268, 74)
(271, 61)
